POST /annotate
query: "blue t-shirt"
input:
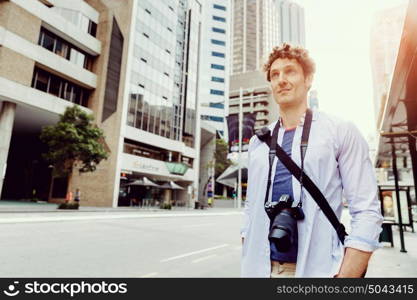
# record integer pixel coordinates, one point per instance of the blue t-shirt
(283, 185)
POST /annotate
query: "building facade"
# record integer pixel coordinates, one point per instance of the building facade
(385, 40)
(255, 31)
(259, 26)
(133, 65)
(215, 65)
(292, 23)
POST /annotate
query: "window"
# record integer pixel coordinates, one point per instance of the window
(57, 45)
(217, 79)
(61, 49)
(77, 58)
(218, 67)
(212, 118)
(41, 81)
(55, 86)
(216, 18)
(219, 30)
(92, 28)
(59, 87)
(221, 7)
(217, 42)
(216, 105)
(217, 92)
(47, 41)
(218, 54)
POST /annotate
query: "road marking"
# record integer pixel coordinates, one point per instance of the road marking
(194, 252)
(203, 258)
(149, 275)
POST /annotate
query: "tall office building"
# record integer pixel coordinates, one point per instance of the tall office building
(255, 31)
(292, 23)
(385, 40)
(257, 27)
(214, 63)
(132, 64)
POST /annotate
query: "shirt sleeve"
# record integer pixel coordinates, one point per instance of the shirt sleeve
(360, 189)
(248, 202)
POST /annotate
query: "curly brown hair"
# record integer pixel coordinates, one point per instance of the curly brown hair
(291, 52)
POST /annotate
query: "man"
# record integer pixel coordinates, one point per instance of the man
(336, 160)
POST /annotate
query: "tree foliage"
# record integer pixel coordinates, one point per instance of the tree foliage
(222, 163)
(75, 139)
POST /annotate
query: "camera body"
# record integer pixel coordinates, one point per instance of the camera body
(283, 215)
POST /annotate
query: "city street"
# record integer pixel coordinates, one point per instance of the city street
(178, 243)
(193, 246)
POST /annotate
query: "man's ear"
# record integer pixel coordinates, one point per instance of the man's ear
(309, 81)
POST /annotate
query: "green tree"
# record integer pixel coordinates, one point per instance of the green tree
(74, 141)
(222, 163)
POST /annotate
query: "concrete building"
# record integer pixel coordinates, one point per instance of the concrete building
(255, 31)
(132, 64)
(292, 23)
(258, 26)
(385, 41)
(215, 63)
(257, 97)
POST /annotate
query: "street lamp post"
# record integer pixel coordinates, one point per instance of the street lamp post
(239, 184)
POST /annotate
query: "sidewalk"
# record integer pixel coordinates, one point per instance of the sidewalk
(388, 261)
(45, 207)
(26, 212)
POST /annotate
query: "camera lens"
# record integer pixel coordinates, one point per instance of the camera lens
(281, 231)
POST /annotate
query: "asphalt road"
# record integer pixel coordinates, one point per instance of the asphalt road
(197, 246)
(148, 244)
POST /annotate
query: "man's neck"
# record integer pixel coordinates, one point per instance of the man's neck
(291, 115)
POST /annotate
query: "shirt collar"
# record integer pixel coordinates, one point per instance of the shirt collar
(302, 119)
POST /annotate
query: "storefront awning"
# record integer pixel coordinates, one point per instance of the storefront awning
(143, 182)
(171, 185)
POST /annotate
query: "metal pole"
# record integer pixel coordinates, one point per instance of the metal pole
(235, 196)
(239, 187)
(397, 193)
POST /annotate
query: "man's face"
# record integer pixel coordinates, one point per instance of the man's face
(289, 85)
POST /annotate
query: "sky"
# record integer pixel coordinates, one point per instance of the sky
(338, 39)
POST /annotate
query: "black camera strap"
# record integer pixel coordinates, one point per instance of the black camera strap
(299, 173)
(272, 143)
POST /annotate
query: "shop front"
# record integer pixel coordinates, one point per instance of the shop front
(151, 183)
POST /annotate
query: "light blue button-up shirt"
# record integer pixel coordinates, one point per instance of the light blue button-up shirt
(337, 160)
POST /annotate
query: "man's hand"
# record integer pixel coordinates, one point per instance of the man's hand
(354, 263)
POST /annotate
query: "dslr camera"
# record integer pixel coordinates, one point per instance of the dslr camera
(284, 215)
